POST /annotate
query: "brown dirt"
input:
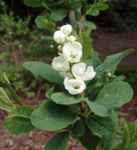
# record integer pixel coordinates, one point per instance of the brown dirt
(105, 43)
(112, 42)
(129, 111)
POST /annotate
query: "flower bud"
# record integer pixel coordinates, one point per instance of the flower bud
(60, 64)
(59, 37)
(72, 51)
(66, 29)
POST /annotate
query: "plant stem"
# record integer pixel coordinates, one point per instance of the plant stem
(89, 141)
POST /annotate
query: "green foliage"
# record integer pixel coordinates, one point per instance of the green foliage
(115, 94)
(58, 14)
(43, 70)
(128, 136)
(13, 27)
(101, 127)
(111, 62)
(58, 142)
(96, 7)
(87, 46)
(98, 109)
(64, 99)
(94, 60)
(43, 22)
(18, 120)
(33, 3)
(18, 125)
(52, 117)
(78, 129)
(5, 102)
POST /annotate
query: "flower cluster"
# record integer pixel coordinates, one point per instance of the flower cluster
(69, 64)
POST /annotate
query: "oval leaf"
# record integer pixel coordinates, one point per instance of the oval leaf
(63, 99)
(43, 70)
(98, 109)
(19, 120)
(58, 142)
(33, 3)
(52, 117)
(111, 62)
(43, 23)
(115, 94)
(18, 125)
(58, 14)
(101, 127)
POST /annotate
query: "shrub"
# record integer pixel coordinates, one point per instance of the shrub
(84, 93)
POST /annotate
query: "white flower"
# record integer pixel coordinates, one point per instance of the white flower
(72, 51)
(59, 37)
(66, 29)
(60, 64)
(83, 72)
(71, 38)
(74, 86)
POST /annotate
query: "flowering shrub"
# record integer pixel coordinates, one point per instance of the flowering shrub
(83, 99)
(85, 93)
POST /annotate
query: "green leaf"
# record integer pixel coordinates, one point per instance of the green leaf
(19, 120)
(115, 94)
(96, 7)
(111, 62)
(94, 60)
(101, 127)
(58, 14)
(75, 4)
(87, 44)
(18, 125)
(22, 111)
(43, 22)
(33, 3)
(58, 142)
(88, 25)
(4, 98)
(132, 147)
(63, 99)
(43, 70)
(98, 109)
(52, 117)
(78, 129)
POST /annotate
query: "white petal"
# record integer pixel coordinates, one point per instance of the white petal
(78, 69)
(59, 37)
(60, 64)
(72, 51)
(66, 29)
(83, 72)
(74, 86)
(90, 73)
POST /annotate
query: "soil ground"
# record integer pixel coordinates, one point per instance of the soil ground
(112, 42)
(104, 42)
